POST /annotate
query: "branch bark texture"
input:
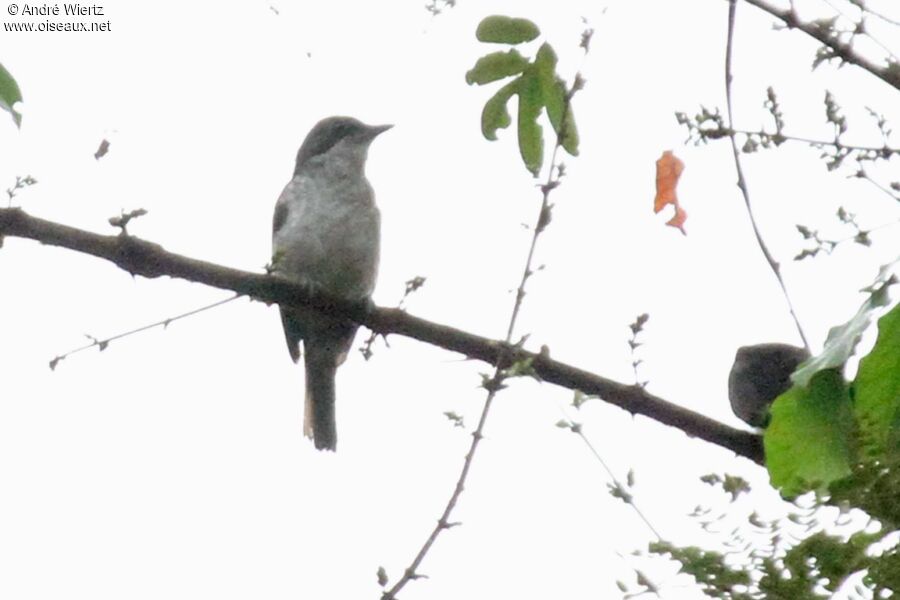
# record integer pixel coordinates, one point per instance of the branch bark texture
(147, 259)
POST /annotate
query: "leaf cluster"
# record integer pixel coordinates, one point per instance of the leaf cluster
(536, 84)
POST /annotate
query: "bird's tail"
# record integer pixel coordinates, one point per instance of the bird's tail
(318, 414)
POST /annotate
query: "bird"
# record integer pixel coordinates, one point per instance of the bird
(760, 374)
(326, 235)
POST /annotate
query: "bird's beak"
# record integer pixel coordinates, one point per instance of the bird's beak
(376, 130)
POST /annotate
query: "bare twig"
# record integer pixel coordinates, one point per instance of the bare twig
(893, 194)
(493, 384)
(20, 184)
(708, 125)
(870, 152)
(817, 243)
(412, 286)
(859, 28)
(619, 490)
(889, 73)
(102, 344)
(742, 182)
(866, 10)
(637, 327)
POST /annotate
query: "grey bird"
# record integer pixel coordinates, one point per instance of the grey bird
(760, 374)
(325, 234)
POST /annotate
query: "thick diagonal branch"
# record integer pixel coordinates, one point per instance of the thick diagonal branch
(151, 260)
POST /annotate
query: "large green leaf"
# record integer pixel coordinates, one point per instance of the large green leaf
(807, 441)
(842, 340)
(495, 115)
(531, 136)
(506, 30)
(877, 387)
(496, 65)
(9, 94)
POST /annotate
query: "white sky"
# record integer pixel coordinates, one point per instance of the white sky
(172, 465)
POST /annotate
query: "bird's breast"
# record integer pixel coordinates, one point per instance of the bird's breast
(330, 235)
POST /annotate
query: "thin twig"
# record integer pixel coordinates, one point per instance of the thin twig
(102, 344)
(865, 9)
(862, 174)
(698, 127)
(493, 385)
(860, 28)
(412, 286)
(890, 74)
(883, 151)
(578, 431)
(742, 182)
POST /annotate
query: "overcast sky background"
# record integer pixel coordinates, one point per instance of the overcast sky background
(173, 465)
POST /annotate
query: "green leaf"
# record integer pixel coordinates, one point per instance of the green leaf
(877, 387)
(499, 29)
(496, 65)
(9, 94)
(531, 136)
(834, 558)
(715, 576)
(552, 87)
(569, 137)
(494, 115)
(842, 340)
(545, 63)
(806, 442)
(553, 91)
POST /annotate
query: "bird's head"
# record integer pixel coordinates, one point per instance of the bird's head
(338, 135)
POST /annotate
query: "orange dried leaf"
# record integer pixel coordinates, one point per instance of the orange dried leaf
(668, 170)
(679, 219)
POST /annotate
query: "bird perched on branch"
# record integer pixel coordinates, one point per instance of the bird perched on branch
(325, 234)
(760, 374)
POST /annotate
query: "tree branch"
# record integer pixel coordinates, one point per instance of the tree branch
(141, 257)
(742, 181)
(889, 73)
